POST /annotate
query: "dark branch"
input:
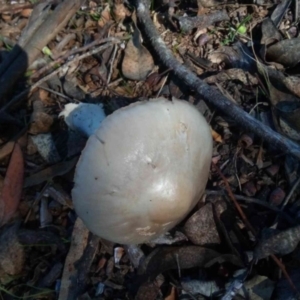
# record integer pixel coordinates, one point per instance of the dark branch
(206, 92)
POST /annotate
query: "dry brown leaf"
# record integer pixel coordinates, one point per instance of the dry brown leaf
(124, 91)
(288, 112)
(6, 149)
(40, 123)
(29, 237)
(285, 52)
(26, 13)
(8, 30)
(246, 140)
(287, 130)
(79, 242)
(259, 159)
(272, 170)
(105, 16)
(277, 242)
(172, 295)
(148, 291)
(210, 3)
(12, 187)
(277, 196)
(166, 258)
(201, 228)
(216, 136)
(137, 62)
(50, 172)
(120, 12)
(293, 84)
(6, 17)
(249, 188)
(101, 263)
(258, 288)
(40, 120)
(59, 195)
(12, 256)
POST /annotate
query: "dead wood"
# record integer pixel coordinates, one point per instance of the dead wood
(8, 8)
(26, 53)
(206, 92)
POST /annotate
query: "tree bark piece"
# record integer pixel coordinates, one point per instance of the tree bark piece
(206, 92)
(187, 24)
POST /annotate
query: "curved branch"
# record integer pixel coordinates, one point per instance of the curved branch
(206, 92)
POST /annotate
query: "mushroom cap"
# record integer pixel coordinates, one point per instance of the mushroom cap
(143, 170)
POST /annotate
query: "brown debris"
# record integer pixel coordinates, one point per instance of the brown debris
(12, 255)
(11, 191)
(41, 122)
(201, 228)
(198, 57)
(163, 259)
(277, 242)
(187, 24)
(137, 62)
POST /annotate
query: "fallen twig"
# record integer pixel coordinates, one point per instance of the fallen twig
(23, 94)
(23, 54)
(14, 8)
(290, 194)
(236, 204)
(60, 59)
(206, 92)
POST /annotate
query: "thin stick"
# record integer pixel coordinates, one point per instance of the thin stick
(36, 201)
(290, 194)
(236, 204)
(14, 8)
(162, 85)
(58, 94)
(112, 64)
(60, 59)
(286, 201)
(285, 273)
(19, 97)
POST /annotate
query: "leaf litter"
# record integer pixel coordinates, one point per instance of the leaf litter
(99, 55)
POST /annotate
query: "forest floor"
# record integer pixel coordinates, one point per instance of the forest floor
(236, 62)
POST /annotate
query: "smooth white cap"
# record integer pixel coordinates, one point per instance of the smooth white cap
(143, 170)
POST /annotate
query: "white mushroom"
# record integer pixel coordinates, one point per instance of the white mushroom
(143, 170)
